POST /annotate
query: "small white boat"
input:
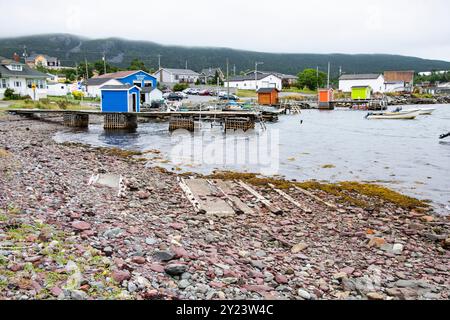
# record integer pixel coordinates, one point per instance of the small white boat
(422, 111)
(394, 115)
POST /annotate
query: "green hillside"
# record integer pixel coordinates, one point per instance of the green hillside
(72, 49)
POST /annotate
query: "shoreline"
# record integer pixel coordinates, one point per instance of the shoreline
(126, 246)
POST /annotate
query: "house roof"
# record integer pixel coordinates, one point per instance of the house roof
(267, 90)
(35, 55)
(180, 71)
(119, 87)
(210, 72)
(397, 76)
(368, 76)
(260, 76)
(278, 74)
(26, 72)
(116, 75)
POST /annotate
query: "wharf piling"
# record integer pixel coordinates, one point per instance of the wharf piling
(120, 121)
(177, 122)
(76, 120)
(239, 124)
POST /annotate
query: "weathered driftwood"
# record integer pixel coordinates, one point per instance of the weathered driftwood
(190, 196)
(272, 208)
(290, 199)
(228, 199)
(318, 199)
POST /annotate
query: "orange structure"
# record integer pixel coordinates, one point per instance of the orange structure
(268, 96)
(325, 98)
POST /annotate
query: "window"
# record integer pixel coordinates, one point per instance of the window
(16, 67)
(29, 84)
(17, 84)
(3, 83)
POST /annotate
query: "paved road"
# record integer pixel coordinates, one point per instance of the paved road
(5, 104)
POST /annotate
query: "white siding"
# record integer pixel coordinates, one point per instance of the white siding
(377, 85)
(20, 86)
(95, 92)
(267, 82)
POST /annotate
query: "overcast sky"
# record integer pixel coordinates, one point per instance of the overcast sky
(409, 27)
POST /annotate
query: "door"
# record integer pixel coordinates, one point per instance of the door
(134, 102)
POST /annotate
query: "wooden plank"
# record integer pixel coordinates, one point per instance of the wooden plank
(290, 199)
(228, 190)
(272, 208)
(318, 199)
(209, 201)
(191, 196)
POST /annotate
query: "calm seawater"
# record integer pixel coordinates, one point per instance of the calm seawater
(405, 155)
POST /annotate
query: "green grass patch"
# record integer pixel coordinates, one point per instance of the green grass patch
(246, 93)
(297, 90)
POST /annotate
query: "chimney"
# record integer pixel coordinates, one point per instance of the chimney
(16, 57)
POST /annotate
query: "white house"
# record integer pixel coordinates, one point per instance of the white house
(249, 82)
(94, 85)
(375, 81)
(58, 89)
(165, 75)
(152, 94)
(22, 79)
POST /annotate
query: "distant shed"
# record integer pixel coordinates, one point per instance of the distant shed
(268, 96)
(325, 96)
(361, 93)
(120, 98)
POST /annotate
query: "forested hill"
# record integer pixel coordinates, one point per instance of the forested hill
(120, 52)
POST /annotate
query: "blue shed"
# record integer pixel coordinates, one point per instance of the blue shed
(121, 98)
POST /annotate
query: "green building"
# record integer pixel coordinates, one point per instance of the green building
(361, 92)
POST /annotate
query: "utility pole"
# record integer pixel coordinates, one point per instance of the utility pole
(186, 64)
(87, 74)
(228, 81)
(329, 67)
(256, 74)
(317, 77)
(159, 62)
(25, 54)
(104, 62)
(234, 70)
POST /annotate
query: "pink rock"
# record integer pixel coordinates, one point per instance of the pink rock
(143, 195)
(217, 285)
(87, 233)
(180, 252)
(139, 260)
(133, 230)
(157, 268)
(259, 281)
(17, 267)
(81, 225)
(121, 276)
(56, 291)
(348, 270)
(281, 279)
(176, 226)
(256, 274)
(258, 288)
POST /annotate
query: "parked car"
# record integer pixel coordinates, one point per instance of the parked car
(183, 95)
(229, 97)
(166, 94)
(194, 92)
(204, 93)
(174, 96)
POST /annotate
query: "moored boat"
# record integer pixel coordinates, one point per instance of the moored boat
(394, 115)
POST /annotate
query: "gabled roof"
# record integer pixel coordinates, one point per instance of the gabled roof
(267, 90)
(210, 72)
(260, 76)
(117, 75)
(119, 87)
(278, 74)
(367, 76)
(26, 72)
(35, 55)
(180, 71)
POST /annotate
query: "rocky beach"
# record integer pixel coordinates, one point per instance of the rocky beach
(135, 235)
